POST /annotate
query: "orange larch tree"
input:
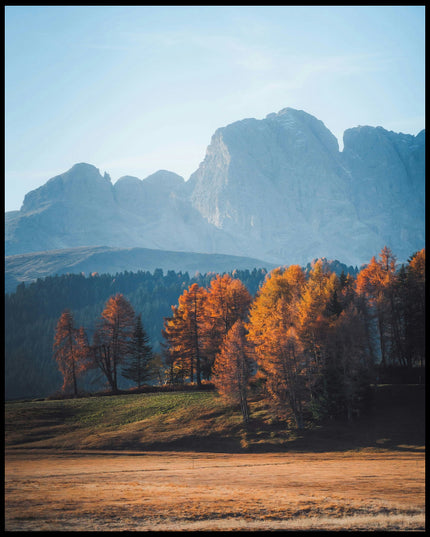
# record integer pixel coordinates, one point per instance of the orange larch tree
(333, 334)
(315, 310)
(233, 368)
(227, 301)
(179, 364)
(272, 330)
(184, 333)
(375, 283)
(113, 337)
(70, 351)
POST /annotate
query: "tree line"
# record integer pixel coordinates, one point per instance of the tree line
(310, 341)
(119, 345)
(314, 340)
(33, 310)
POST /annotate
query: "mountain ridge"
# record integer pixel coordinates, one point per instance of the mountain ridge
(101, 259)
(276, 189)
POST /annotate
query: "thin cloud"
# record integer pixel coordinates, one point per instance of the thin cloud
(230, 48)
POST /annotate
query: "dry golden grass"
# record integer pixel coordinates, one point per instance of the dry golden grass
(213, 491)
(91, 464)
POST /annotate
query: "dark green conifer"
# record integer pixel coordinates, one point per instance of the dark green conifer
(138, 367)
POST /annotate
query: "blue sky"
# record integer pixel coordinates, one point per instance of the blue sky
(136, 89)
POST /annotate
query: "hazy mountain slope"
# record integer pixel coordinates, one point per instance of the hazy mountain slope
(69, 210)
(388, 184)
(29, 267)
(82, 208)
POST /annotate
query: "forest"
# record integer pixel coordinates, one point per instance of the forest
(33, 310)
(310, 340)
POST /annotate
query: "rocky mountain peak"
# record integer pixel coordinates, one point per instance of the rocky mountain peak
(69, 186)
(165, 179)
(276, 188)
(300, 122)
(128, 179)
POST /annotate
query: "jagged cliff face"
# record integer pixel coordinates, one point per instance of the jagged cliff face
(388, 184)
(283, 187)
(275, 183)
(277, 189)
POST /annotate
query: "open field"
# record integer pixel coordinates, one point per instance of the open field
(213, 491)
(184, 461)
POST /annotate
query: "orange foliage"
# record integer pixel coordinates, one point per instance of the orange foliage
(271, 327)
(233, 367)
(227, 301)
(417, 265)
(70, 351)
(184, 333)
(376, 283)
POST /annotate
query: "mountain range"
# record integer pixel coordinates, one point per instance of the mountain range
(276, 190)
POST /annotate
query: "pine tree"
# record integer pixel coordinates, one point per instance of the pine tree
(409, 301)
(138, 367)
(347, 368)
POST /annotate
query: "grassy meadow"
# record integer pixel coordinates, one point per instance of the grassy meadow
(185, 461)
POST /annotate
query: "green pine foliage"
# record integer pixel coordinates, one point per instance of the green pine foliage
(138, 369)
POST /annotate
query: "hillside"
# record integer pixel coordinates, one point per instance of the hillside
(200, 421)
(108, 260)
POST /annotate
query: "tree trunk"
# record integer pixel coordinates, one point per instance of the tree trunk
(382, 340)
(75, 386)
(244, 408)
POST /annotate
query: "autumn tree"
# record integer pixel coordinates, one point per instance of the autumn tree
(409, 304)
(310, 342)
(377, 283)
(179, 364)
(184, 333)
(278, 350)
(227, 301)
(318, 304)
(233, 368)
(138, 366)
(416, 308)
(70, 351)
(347, 368)
(370, 285)
(332, 330)
(113, 337)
